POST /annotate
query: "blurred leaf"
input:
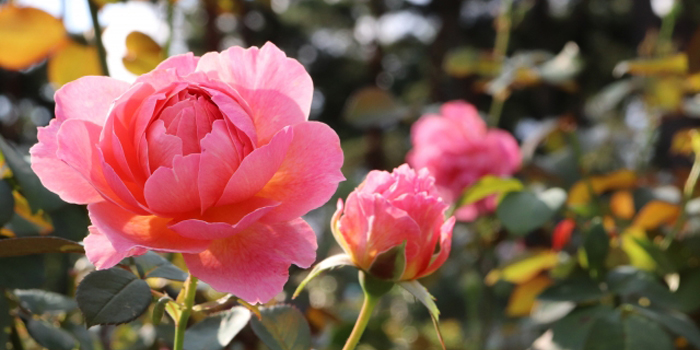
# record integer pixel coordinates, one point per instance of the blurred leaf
(49, 336)
(465, 61)
(633, 283)
(571, 331)
(154, 265)
(687, 292)
(681, 143)
(27, 36)
(523, 270)
(23, 272)
(84, 337)
(693, 53)
(674, 65)
(112, 296)
(7, 203)
(565, 66)
(596, 244)
(33, 222)
(217, 331)
(644, 334)
(562, 234)
(622, 205)
(143, 54)
(525, 294)
(550, 311)
(282, 327)
(38, 196)
(39, 301)
(523, 212)
(73, 61)
(606, 333)
(656, 213)
(631, 244)
(490, 185)
(70, 222)
(6, 321)
(618, 180)
(372, 107)
(675, 322)
(610, 97)
(554, 198)
(37, 245)
(327, 264)
(5, 171)
(577, 289)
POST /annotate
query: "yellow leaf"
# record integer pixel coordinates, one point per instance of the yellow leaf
(656, 213)
(39, 219)
(465, 61)
(681, 142)
(524, 269)
(638, 256)
(676, 64)
(5, 171)
(490, 185)
(72, 62)
(142, 53)
(622, 205)
(621, 179)
(525, 295)
(27, 36)
(666, 93)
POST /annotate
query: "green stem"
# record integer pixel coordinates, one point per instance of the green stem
(98, 37)
(181, 324)
(362, 320)
(500, 50)
(668, 23)
(171, 27)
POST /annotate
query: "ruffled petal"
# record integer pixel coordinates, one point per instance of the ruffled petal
(101, 253)
(440, 257)
(309, 174)
(127, 230)
(253, 264)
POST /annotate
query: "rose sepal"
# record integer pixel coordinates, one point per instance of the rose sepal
(421, 293)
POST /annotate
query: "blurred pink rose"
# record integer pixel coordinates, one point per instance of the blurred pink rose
(458, 149)
(385, 211)
(212, 157)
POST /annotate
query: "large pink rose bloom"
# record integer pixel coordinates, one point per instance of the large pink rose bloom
(212, 157)
(458, 149)
(391, 209)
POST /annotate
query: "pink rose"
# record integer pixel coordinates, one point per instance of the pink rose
(458, 149)
(391, 209)
(212, 157)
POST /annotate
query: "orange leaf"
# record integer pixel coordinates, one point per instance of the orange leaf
(27, 36)
(72, 62)
(524, 296)
(39, 219)
(656, 213)
(622, 205)
(142, 53)
(621, 179)
(524, 269)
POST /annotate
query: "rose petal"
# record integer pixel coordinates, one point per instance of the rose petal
(162, 148)
(127, 230)
(445, 247)
(226, 221)
(220, 159)
(253, 264)
(309, 174)
(277, 88)
(88, 98)
(101, 253)
(170, 70)
(56, 175)
(257, 169)
(173, 191)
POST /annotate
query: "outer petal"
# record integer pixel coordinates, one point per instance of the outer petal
(310, 173)
(445, 245)
(127, 230)
(277, 88)
(88, 98)
(101, 252)
(170, 70)
(55, 174)
(253, 264)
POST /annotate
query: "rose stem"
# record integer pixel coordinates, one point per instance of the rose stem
(181, 324)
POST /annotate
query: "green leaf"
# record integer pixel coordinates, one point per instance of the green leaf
(675, 322)
(633, 284)
(37, 245)
(687, 293)
(644, 334)
(571, 331)
(523, 212)
(37, 195)
(421, 293)
(663, 262)
(70, 222)
(577, 290)
(391, 264)
(48, 336)
(39, 301)
(22, 272)
(112, 296)
(154, 265)
(5, 319)
(217, 331)
(327, 264)
(373, 107)
(606, 333)
(490, 185)
(596, 244)
(282, 327)
(7, 203)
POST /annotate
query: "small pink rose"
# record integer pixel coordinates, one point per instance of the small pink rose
(458, 149)
(212, 157)
(393, 225)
